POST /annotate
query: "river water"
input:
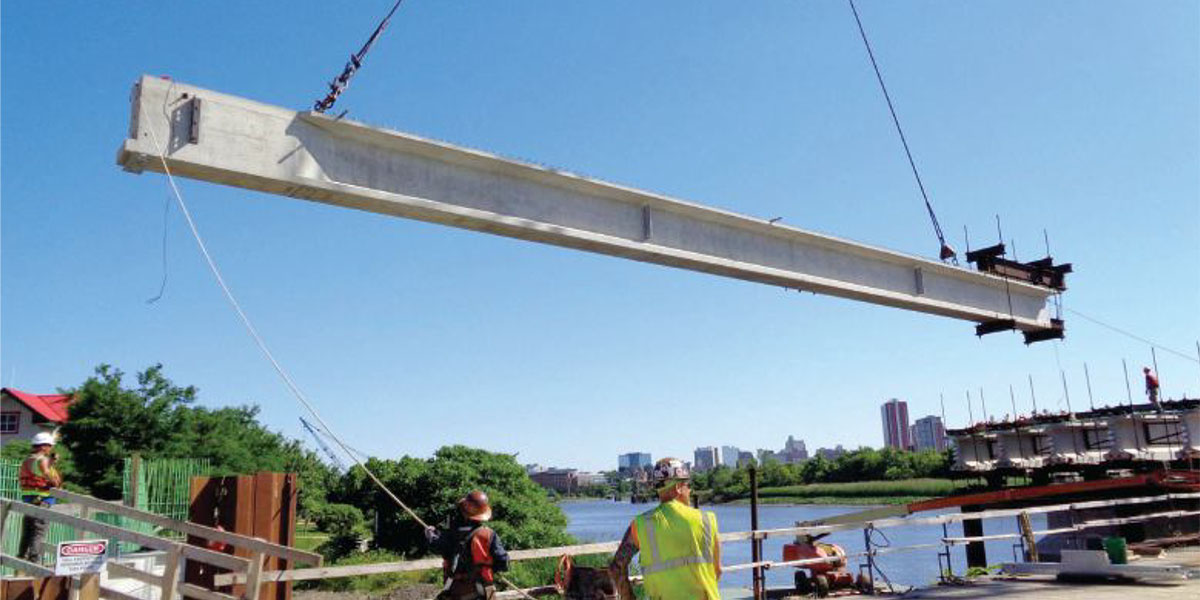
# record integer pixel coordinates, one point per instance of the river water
(603, 521)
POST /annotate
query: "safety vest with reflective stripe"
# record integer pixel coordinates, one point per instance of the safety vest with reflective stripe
(676, 551)
(33, 481)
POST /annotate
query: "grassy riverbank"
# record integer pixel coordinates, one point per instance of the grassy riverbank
(901, 491)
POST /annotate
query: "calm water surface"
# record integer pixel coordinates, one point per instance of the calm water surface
(602, 521)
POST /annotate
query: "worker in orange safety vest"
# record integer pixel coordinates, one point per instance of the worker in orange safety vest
(471, 552)
(1151, 385)
(37, 476)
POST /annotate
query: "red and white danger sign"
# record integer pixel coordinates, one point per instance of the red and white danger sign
(83, 556)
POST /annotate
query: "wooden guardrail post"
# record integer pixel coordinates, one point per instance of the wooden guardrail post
(135, 467)
(170, 576)
(1026, 526)
(89, 586)
(254, 576)
(84, 513)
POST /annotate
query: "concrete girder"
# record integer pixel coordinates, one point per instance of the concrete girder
(225, 139)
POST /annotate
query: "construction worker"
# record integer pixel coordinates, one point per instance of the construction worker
(37, 476)
(676, 544)
(1151, 385)
(470, 551)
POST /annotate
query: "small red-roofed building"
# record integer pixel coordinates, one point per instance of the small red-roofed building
(25, 414)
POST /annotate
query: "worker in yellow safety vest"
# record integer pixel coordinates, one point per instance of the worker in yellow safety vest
(37, 476)
(676, 544)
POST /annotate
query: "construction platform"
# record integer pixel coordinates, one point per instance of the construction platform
(1048, 588)
(1041, 587)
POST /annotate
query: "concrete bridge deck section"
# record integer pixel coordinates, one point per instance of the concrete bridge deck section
(225, 139)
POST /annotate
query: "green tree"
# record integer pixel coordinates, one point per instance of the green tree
(109, 422)
(523, 515)
(155, 418)
(344, 524)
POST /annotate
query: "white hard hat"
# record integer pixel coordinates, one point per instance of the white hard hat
(43, 439)
(668, 471)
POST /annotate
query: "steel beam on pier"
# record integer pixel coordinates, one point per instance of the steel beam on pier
(225, 139)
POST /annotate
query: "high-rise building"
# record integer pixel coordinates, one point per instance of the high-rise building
(928, 433)
(831, 453)
(764, 456)
(634, 461)
(707, 459)
(895, 424)
(745, 458)
(729, 455)
(794, 451)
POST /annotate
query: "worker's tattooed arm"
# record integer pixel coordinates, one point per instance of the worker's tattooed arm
(618, 568)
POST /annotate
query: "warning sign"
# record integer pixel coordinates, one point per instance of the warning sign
(84, 556)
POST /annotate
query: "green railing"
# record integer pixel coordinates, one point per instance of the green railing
(10, 489)
(161, 486)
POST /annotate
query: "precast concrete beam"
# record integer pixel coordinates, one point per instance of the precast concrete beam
(225, 139)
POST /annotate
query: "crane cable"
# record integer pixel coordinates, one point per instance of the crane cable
(339, 84)
(946, 251)
(262, 345)
(258, 340)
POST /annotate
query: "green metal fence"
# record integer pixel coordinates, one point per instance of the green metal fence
(159, 486)
(10, 489)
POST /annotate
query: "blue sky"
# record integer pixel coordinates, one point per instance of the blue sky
(1082, 118)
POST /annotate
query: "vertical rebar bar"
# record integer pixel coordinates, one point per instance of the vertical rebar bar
(1066, 392)
(1128, 388)
(1032, 396)
(1088, 378)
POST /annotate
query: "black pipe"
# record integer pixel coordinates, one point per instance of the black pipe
(755, 543)
(976, 552)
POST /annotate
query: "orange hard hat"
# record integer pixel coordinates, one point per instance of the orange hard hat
(475, 506)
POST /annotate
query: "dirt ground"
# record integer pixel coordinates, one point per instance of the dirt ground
(416, 591)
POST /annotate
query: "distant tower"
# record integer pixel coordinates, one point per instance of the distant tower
(707, 458)
(896, 433)
(929, 433)
(729, 455)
